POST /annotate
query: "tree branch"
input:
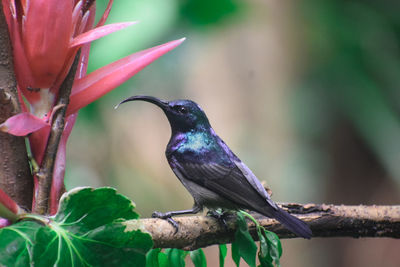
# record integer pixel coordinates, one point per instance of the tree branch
(15, 175)
(45, 174)
(324, 220)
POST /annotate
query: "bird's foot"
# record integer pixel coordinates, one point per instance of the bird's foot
(220, 216)
(166, 216)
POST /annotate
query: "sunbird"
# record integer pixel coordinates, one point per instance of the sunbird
(210, 171)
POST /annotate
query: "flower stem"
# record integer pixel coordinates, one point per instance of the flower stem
(33, 163)
(45, 174)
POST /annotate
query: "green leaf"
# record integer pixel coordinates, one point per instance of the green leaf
(156, 258)
(222, 254)
(263, 255)
(88, 207)
(163, 260)
(16, 243)
(90, 228)
(198, 258)
(275, 242)
(152, 258)
(270, 245)
(235, 253)
(176, 257)
(270, 248)
(274, 245)
(247, 248)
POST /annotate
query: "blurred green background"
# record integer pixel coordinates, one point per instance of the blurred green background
(305, 92)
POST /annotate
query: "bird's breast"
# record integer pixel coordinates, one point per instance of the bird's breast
(191, 142)
(192, 147)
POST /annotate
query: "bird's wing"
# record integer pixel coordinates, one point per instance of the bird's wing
(252, 179)
(234, 182)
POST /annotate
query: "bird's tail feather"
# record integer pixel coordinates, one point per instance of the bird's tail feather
(292, 223)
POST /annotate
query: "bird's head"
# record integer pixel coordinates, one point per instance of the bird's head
(183, 115)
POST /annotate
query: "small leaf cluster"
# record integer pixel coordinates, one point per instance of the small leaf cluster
(172, 257)
(244, 246)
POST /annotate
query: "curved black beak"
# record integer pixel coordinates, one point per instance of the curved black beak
(154, 100)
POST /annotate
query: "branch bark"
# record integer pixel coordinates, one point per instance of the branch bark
(324, 220)
(45, 174)
(15, 175)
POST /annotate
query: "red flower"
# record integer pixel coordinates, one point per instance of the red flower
(46, 35)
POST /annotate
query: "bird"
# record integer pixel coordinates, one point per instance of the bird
(214, 176)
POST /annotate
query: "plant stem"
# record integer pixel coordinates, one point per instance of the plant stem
(45, 174)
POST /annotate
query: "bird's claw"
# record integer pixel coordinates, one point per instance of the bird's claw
(166, 216)
(219, 216)
(160, 215)
(174, 224)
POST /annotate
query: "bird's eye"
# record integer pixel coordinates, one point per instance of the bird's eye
(181, 109)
